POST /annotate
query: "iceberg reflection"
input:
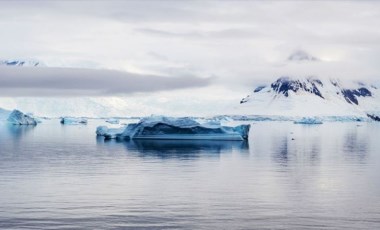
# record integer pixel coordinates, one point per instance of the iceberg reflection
(180, 148)
(18, 131)
(356, 146)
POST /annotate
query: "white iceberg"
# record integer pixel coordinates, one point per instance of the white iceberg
(19, 118)
(168, 128)
(113, 121)
(73, 121)
(309, 121)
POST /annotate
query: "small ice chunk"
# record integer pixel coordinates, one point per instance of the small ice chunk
(73, 121)
(113, 121)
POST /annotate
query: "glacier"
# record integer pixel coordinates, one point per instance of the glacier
(309, 121)
(73, 121)
(19, 118)
(169, 128)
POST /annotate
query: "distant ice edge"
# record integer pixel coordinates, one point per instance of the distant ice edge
(290, 118)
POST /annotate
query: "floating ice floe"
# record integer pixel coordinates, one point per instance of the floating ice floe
(73, 121)
(19, 118)
(309, 121)
(168, 128)
(113, 121)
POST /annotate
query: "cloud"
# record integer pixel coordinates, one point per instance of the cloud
(30, 81)
(241, 42)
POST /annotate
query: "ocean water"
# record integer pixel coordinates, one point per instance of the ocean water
(286, 176)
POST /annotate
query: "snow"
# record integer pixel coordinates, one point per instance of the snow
(73, 121)
(161, 127)
(309, 121)
(19, 118)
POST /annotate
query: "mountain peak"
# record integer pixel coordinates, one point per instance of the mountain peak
(311, 96)
(301, 55)
(285, 84)
(24, 63)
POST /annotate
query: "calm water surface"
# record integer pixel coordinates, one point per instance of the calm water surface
(286, 177)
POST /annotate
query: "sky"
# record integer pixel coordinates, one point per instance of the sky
(203, 52)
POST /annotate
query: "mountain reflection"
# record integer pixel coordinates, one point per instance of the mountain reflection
(288, 150)
(280, 153)
(356, 146)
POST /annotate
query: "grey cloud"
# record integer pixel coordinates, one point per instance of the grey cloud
(25, 81)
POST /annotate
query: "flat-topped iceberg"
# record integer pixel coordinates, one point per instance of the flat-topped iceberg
(309, 121)
(168, 128)
(73, 121)
(19, 118)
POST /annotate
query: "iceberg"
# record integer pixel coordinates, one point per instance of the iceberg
(73, 121)
(107, 132)
(168, 128)
(19, 118)
(113, 121)
(309, 121)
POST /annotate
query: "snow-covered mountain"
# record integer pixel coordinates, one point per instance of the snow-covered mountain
(311, 97)
(24, 63)
(301, 55)
(285, 97)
